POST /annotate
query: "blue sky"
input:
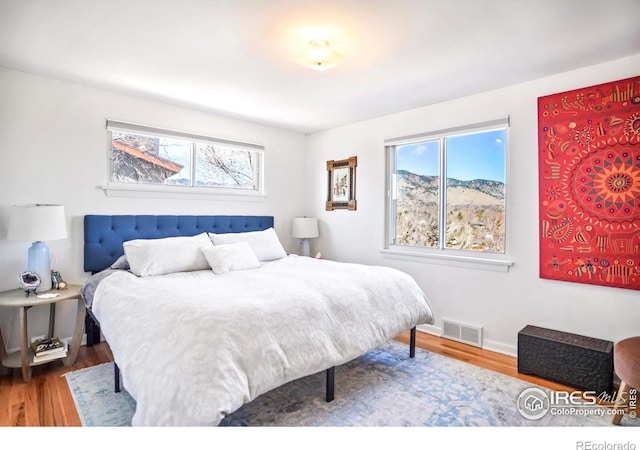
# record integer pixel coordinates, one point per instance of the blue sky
(469, 156)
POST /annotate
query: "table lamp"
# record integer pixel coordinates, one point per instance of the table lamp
(38, 223)
(305, 228)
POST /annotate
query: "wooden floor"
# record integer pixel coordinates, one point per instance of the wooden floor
(47, 401)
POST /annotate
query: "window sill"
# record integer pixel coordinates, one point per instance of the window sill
(179, 192)
(467, 262)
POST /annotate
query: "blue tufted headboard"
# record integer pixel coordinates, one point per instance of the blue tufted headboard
(104, 235)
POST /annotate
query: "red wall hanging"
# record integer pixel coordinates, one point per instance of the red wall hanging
(589, 184)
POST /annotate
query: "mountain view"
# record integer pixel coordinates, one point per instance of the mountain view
(475, 213)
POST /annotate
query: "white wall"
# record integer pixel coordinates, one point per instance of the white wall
(53, 149)
(503, 303)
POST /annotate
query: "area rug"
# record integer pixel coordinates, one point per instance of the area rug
(384, 388)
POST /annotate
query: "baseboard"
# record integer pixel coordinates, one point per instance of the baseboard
(499, 347)
(430, 329)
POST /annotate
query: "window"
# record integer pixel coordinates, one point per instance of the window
(150, 158)
(446, 192)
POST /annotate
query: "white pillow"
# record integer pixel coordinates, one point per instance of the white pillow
(265, 244)
(168, 255)
(223, 258)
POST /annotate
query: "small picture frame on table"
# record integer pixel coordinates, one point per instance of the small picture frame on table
(341, 184)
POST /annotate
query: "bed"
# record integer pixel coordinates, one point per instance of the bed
(195, 340)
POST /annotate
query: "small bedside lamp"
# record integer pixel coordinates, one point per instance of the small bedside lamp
(38, 223)
(305, 228)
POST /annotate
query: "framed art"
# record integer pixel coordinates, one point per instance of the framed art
(341, 184)
(589, 185)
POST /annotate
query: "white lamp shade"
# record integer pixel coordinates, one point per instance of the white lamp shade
(37, 223)
(305, 227)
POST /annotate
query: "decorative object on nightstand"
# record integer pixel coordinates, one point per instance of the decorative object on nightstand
(305, 228)
(38, 223)
(29, 281)
(56, 280)
(25, 358)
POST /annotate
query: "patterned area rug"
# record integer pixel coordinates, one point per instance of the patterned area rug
(382, 388)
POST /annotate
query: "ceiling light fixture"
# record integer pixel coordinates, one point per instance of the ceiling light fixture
(320, 56)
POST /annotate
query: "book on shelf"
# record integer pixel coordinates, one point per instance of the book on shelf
(60, 352)
(46, 346)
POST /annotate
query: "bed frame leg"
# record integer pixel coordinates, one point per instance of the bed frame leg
(412, 343)
(331, 379)
(92, 328)
(116, 378)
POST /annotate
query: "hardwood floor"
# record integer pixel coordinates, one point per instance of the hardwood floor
(47, 401)
(497, 362)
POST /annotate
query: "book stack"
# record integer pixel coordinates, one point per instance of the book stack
(48, 349)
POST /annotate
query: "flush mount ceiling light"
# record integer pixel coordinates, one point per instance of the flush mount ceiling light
(319, 55)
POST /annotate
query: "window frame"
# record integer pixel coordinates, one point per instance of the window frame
(115, 188)
(441, 254)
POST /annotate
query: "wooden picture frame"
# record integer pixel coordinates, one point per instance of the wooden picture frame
(341, 184)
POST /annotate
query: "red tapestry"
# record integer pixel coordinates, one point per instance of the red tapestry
(589, 184)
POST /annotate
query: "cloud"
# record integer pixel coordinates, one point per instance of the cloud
(419, 149)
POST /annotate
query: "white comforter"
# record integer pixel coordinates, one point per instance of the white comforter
(194, 347)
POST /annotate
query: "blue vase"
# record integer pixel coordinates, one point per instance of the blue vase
(39, 263)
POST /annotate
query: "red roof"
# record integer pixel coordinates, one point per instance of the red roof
(164, 163)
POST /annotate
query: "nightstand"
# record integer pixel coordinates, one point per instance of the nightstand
(24, 359)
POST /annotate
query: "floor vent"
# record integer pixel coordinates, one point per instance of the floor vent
(469, 334)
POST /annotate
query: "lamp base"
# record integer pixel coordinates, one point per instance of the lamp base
(39, 263)
(304, 247)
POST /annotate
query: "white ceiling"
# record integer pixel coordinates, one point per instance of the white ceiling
(234, 57)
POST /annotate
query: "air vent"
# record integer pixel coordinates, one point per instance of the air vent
(469, 334)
